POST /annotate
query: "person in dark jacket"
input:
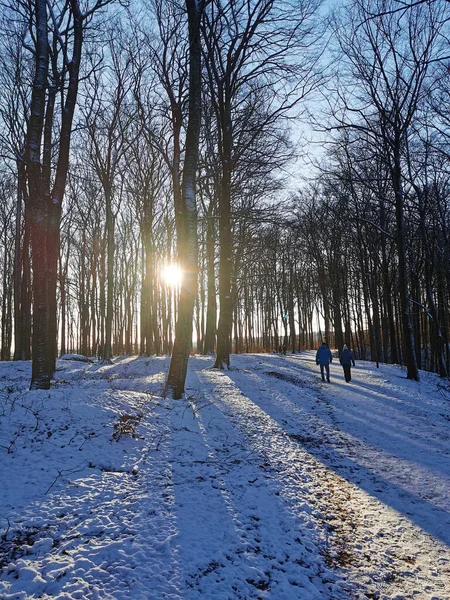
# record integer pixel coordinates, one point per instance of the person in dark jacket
(324, 358)
(346, 359)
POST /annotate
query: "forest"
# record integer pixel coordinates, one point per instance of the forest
(224, 176)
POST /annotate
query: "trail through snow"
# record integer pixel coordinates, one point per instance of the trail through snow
(263, 483)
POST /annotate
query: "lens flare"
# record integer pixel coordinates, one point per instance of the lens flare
(171, 274)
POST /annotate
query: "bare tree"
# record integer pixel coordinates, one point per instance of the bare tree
(148, 184)
(108, 115)
(55, 39)
(260, 59)
(389, 57)
(187, 221)
(15, 77)
(7, 208)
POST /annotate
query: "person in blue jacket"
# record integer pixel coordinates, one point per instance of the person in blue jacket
(324, 358)
(346, 359)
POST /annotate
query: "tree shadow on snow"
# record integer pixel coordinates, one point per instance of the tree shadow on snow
(334, 454)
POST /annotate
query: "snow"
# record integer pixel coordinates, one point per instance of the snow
(263, 482)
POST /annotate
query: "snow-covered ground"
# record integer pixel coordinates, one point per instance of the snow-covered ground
(263, 483)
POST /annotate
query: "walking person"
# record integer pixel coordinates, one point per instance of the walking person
(346, 359)
(324, 358)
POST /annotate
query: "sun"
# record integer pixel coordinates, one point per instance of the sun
(171, 274)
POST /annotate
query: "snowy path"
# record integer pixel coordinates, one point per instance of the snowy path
(250, 540)
(309, 434)
(263, 484)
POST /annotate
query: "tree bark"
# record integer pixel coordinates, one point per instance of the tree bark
(110, 278)
(211, 310)
(225, 261)
(45, 205)
(40, 378)
(407, 330)
(187, 226)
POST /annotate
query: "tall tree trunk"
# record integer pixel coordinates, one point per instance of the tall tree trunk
(225, 256)
(338, 331)
(437, 339)
(211, 310)
(21, 307)
(5, 353)
(102, 299)
(293, 334)
(187, 228)
(145, 310)
(107, 349)
(25, 293)
(93, 301)
(45, 205)
(376, 328)
(407, 331)
(40, 378)
(63, 299)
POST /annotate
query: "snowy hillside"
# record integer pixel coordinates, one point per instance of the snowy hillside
(265, 483)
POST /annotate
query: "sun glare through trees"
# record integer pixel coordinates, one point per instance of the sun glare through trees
(133, 142)
(172, 274)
